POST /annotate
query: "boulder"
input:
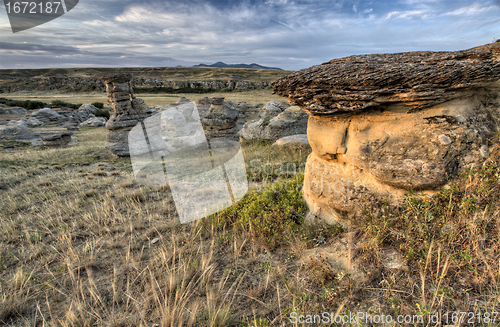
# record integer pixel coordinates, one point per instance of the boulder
(56, 139)
(47, 115)
(381, 125)
(292, 139)
(292, 121)
(17, 131)
(33, 122)
(13, 111)
(94, 122)
(85, 112)
(273, 109)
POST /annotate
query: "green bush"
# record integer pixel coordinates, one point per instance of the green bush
(98, 105)
(63, 104)
(26, 104)
(102, 113)
(269, 215)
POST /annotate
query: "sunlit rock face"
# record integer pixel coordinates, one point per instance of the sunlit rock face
(381, 125)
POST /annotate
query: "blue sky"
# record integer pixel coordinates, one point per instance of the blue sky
(280, 33)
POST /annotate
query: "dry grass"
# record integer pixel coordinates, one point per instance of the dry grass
(82, 248)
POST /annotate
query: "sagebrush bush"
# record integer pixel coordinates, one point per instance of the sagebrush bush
(98, 105)
(63, 104)
(102, 113)
(26, 104)
(269, 215)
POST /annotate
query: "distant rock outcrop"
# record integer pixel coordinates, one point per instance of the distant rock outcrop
(220, 64)
(381, 125)
(127, 111)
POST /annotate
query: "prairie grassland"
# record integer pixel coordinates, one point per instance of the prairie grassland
(83, 244)
(250, 96)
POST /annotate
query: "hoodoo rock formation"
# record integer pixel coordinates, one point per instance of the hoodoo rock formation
(127, 111)
(381, 125)
(220, 119)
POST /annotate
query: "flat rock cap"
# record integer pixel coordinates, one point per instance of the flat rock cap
(414, 79)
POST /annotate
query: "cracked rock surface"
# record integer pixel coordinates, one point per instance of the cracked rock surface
(415, 80)
(381, 125)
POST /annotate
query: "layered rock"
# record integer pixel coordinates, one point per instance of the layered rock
(127, 111)
(84, 113)
(220, 119)
(56, 139)
(412, 80)
(381, 125)
(292, 121)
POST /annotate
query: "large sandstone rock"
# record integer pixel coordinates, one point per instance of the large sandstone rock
(381, 125)
(292, 121)
(127, 111)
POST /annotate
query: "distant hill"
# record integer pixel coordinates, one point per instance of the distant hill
(146, 79)
(220, 64)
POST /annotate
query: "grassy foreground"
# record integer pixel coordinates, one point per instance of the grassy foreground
(83, 245)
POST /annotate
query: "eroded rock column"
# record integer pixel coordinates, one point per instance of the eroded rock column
(220, 119)
(127, 111)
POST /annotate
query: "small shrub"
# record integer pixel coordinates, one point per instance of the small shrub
(26, 104)
(270, 215)
(63, 104)
(98, 105)
(102, 113)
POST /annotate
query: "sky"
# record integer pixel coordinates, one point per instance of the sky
(288, 34)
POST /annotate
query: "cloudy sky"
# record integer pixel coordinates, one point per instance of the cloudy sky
(280, 33)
